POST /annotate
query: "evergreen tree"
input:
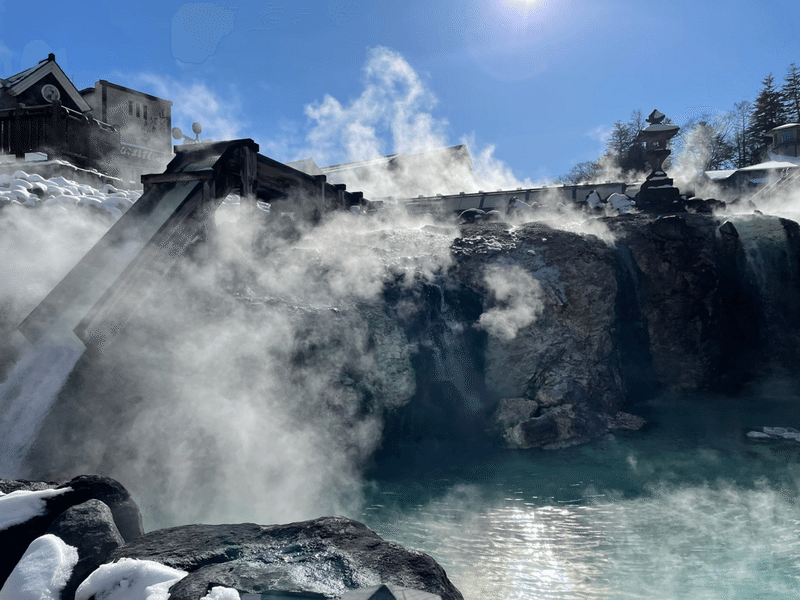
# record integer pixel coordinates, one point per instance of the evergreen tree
(622, 148)
(790, 94)
(768, 112)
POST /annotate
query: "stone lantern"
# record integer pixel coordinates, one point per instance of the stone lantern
(658, 188)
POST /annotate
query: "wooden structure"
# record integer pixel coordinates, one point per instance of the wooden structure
(60, 132)
(98, 297)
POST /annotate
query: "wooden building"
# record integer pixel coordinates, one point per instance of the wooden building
(113, 129)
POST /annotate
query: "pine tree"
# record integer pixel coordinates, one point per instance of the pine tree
(768, 112)
(790, 94)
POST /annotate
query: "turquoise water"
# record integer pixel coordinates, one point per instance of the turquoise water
(687, 508)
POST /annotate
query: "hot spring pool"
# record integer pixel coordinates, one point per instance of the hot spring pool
(688, 508)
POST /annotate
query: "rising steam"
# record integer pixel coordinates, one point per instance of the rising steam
(518, 299)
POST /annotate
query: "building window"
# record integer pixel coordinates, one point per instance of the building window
(138, 110)
(130, 107)
(787, 137)
(144, 112)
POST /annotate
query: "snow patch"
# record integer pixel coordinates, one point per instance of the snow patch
(132, 579)
(33, 190)
(219, 592)
(43, 570)
(23, 505)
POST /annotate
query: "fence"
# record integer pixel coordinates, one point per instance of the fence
(61, 133)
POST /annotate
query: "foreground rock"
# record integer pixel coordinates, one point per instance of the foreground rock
(322, 558)
(32, 509)
(327, 556)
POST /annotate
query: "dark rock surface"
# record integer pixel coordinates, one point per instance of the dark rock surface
(329, 556)
(90, 528)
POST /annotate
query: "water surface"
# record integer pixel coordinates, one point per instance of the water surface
(688, 508)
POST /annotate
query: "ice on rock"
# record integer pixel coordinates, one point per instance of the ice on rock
(42, 572)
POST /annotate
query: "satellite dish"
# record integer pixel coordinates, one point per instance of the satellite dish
(50, 93)
(177, 133)
(197, 128)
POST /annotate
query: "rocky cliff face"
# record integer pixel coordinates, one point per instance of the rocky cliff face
(683, 302)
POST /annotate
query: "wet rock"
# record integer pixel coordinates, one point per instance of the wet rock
(510, 412)
(329, 556)
(533, 433)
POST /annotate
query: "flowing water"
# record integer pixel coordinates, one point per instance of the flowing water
(28, 392)
(689, 508)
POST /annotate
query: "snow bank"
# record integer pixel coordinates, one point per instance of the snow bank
(132, 579)
(42, 572)
(22, 505)
(33, 190)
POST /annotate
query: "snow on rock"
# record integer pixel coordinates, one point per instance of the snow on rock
(620, 202)
(43, 570)
(593, 200)
(33, 190)
(219, 592)
(20, 506)
(132, 579)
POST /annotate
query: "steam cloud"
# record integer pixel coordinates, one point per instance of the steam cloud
(519, 301)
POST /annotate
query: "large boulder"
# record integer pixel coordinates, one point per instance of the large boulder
(325, 556)
(549, 307)
(90, 528)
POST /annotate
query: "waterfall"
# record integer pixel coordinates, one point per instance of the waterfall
(770, 264)
(768, 259)
(451, 359)
(28, 393)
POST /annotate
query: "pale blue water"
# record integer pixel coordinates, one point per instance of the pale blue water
(688, 508)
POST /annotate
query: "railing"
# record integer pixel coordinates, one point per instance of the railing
(60, 132)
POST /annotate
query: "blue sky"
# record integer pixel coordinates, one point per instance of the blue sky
(533, 87)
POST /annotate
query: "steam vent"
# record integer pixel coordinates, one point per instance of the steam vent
(657, 191)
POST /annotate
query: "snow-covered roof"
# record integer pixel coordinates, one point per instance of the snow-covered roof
(782, 127)
(719, 175)
(770, 165)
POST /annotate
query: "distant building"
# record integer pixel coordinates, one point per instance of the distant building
(144, 123)
(785, 141)
(108, 127)
(784, 162)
